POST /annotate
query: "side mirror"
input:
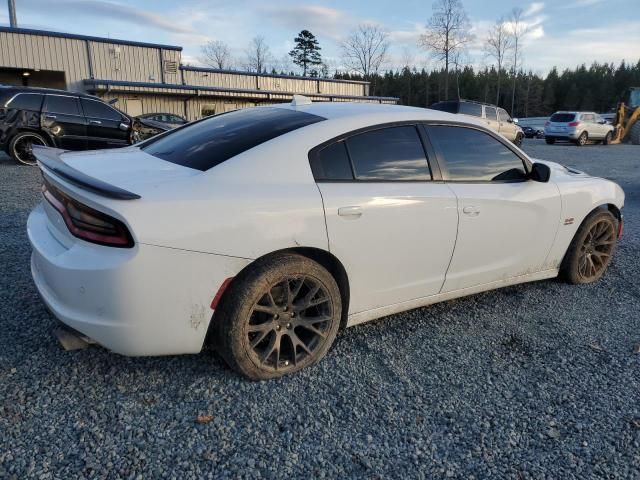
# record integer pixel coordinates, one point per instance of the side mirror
(540, 173)
(124, 126)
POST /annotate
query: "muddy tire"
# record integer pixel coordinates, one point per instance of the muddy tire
(20, 147)
(634, 133)
(592, 248)
(607, 138)
(278, 317)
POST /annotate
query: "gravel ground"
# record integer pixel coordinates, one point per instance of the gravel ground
(532, 381)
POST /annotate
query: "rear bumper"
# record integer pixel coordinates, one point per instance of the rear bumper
(146, 300)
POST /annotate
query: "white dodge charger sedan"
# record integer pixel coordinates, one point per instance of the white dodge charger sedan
(263, 231)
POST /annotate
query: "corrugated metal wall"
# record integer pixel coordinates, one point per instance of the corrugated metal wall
(46, 53)
(204, 78)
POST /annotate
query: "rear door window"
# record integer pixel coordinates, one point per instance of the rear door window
(474, 109)
(491, 113)
(332, 163)
(203, 145)
(27, 101)
(394, 153)
(63, 105)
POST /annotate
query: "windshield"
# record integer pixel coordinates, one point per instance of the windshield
(203, 145)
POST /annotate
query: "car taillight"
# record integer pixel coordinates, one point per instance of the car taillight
(574, 124)
(86, 223)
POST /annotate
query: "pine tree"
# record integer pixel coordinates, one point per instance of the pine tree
(306, 53)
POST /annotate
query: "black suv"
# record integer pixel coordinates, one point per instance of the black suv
(57, 118)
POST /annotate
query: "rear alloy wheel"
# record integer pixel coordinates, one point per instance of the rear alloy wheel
(607, 139)
(582, 139)
(283, 316)
(592, 248)
(21, 147)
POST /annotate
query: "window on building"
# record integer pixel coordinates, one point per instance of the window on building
(394, 153)
(473, 155)
(63, 105)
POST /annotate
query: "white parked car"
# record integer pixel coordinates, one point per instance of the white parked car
(578, 127)
(265, 230)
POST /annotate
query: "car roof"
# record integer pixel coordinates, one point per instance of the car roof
(345, 110)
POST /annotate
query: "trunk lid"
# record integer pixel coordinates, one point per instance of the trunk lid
(121, 173)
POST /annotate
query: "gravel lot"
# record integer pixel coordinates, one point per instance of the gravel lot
(532, 381)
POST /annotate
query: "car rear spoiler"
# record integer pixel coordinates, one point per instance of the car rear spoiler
(49, 158)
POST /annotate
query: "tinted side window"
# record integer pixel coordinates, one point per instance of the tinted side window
(394, 153)
(491, 113)
(27, 101)
(474, 109)
(64, 105)
(332, 163)
(99, 110)
(472, 155)
(504, 116)
(203, 145)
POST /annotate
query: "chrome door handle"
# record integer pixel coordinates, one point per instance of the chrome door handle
(471, 211)
(352, 212)
(95, 122)
(50, 117)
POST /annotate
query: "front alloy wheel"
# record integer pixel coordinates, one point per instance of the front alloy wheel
(278, 317)
(592, 248)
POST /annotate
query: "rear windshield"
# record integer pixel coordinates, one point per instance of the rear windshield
(209, 142)
(451, 107)
(563, 117)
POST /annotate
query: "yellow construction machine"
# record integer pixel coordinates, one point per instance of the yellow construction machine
(627, 121)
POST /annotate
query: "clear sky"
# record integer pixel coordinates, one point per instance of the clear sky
(564, 33)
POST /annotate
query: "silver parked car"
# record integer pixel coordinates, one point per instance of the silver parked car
(578, 127)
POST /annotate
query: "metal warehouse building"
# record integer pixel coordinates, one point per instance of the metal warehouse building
(147, 78)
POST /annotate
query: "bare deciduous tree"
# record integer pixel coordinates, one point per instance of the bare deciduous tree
(365, 49)
(448, 32)
(517, 29)
(497, 45)
(258, 55)
(216, 54)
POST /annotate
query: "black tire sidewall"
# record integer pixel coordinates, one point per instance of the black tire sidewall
(234, 310)
(14, 140)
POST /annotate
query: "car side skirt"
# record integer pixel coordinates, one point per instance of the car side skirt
(362, 317)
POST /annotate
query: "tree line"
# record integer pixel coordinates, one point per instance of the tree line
(505, 81)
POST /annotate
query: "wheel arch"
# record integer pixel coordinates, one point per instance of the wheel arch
(323, 257)
(46, 135)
